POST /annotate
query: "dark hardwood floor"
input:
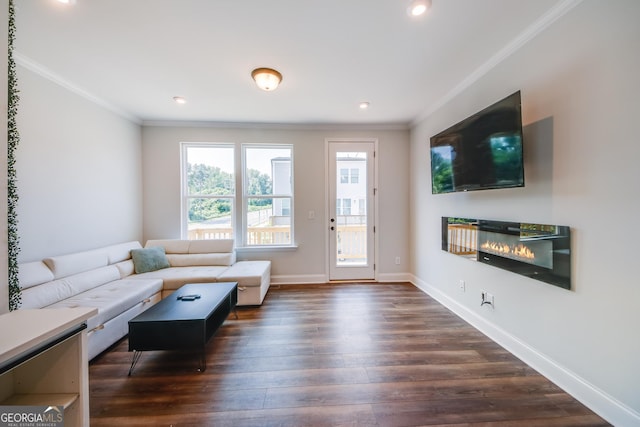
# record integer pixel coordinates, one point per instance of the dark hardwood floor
(333, 355)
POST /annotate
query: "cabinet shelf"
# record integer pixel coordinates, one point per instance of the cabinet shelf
(43, 399)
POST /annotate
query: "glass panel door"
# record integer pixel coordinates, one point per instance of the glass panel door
(351, 211)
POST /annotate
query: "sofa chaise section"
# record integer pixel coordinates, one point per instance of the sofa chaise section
(253, 277)
(204, 261)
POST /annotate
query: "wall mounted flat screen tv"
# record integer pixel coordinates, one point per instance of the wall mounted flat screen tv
(483, 151)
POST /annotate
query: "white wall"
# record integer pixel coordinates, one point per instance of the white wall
(307, 263)
(580, 88)
(79, 172)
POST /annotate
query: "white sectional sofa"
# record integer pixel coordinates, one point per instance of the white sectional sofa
(106, 278)
(201, 261)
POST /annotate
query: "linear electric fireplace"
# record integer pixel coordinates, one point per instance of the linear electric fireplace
(539, 251)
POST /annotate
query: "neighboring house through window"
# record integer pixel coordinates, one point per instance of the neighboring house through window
(349, 204)
(268, 195)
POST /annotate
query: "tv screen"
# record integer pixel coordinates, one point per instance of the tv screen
(481, 152)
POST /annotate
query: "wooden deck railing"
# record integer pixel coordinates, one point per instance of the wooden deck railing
(210, 233)
(256, 235)
(462, 238)
(352, 239)
(352, 242)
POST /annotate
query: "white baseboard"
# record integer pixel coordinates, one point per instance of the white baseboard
(591, 396)
(301, 279)
(304, 279)
(394, 277)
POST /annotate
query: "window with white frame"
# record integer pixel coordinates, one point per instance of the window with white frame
(261, 214)
(349, 176)
(208, 188)
(268, 195)
(355, 176)
(362, 207)
(343, 207)
(344, 176)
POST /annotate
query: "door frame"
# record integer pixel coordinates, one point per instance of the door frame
(327, 192)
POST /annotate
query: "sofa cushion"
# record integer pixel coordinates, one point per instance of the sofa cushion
(149, 259)
(33, 273)
(66, 265)
(211, 246)
(174, 277)
(58, 290)
(182, 252)
(121, 252)
(248, 273)
(171, 246)
(112, 298)
(126, 268)
(186, 260)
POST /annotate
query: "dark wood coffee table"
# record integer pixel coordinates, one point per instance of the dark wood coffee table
(185, 320)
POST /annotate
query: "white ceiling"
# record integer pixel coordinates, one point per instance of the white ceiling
(134, 56)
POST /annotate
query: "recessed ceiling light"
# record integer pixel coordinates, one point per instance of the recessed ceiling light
(364, 105)
(179, 100)
(418, 7)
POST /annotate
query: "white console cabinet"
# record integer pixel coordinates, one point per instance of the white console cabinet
(43, 360)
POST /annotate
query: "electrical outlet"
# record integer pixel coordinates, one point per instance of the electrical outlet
(487, 299)
(397, 260)
(462, 285)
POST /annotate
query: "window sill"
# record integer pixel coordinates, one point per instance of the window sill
(274, 248)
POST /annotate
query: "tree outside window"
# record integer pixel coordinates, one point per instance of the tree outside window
(209, 191)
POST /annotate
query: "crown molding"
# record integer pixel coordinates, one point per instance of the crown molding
(46, 73)
(529, 33)
(279, 126)
(523, 38)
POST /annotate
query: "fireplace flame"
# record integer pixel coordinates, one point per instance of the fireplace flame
(519, 251)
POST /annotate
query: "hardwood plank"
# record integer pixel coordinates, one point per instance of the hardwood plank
(472, 410)
(563, 421)
(419, 391)
(509, 370)
(343, 415)
(325, 355)
(430, 357)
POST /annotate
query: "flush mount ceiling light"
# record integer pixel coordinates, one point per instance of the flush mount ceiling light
(418, 7)
(266, 78)
(364, 105)
(180, 100)
(67, 1)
